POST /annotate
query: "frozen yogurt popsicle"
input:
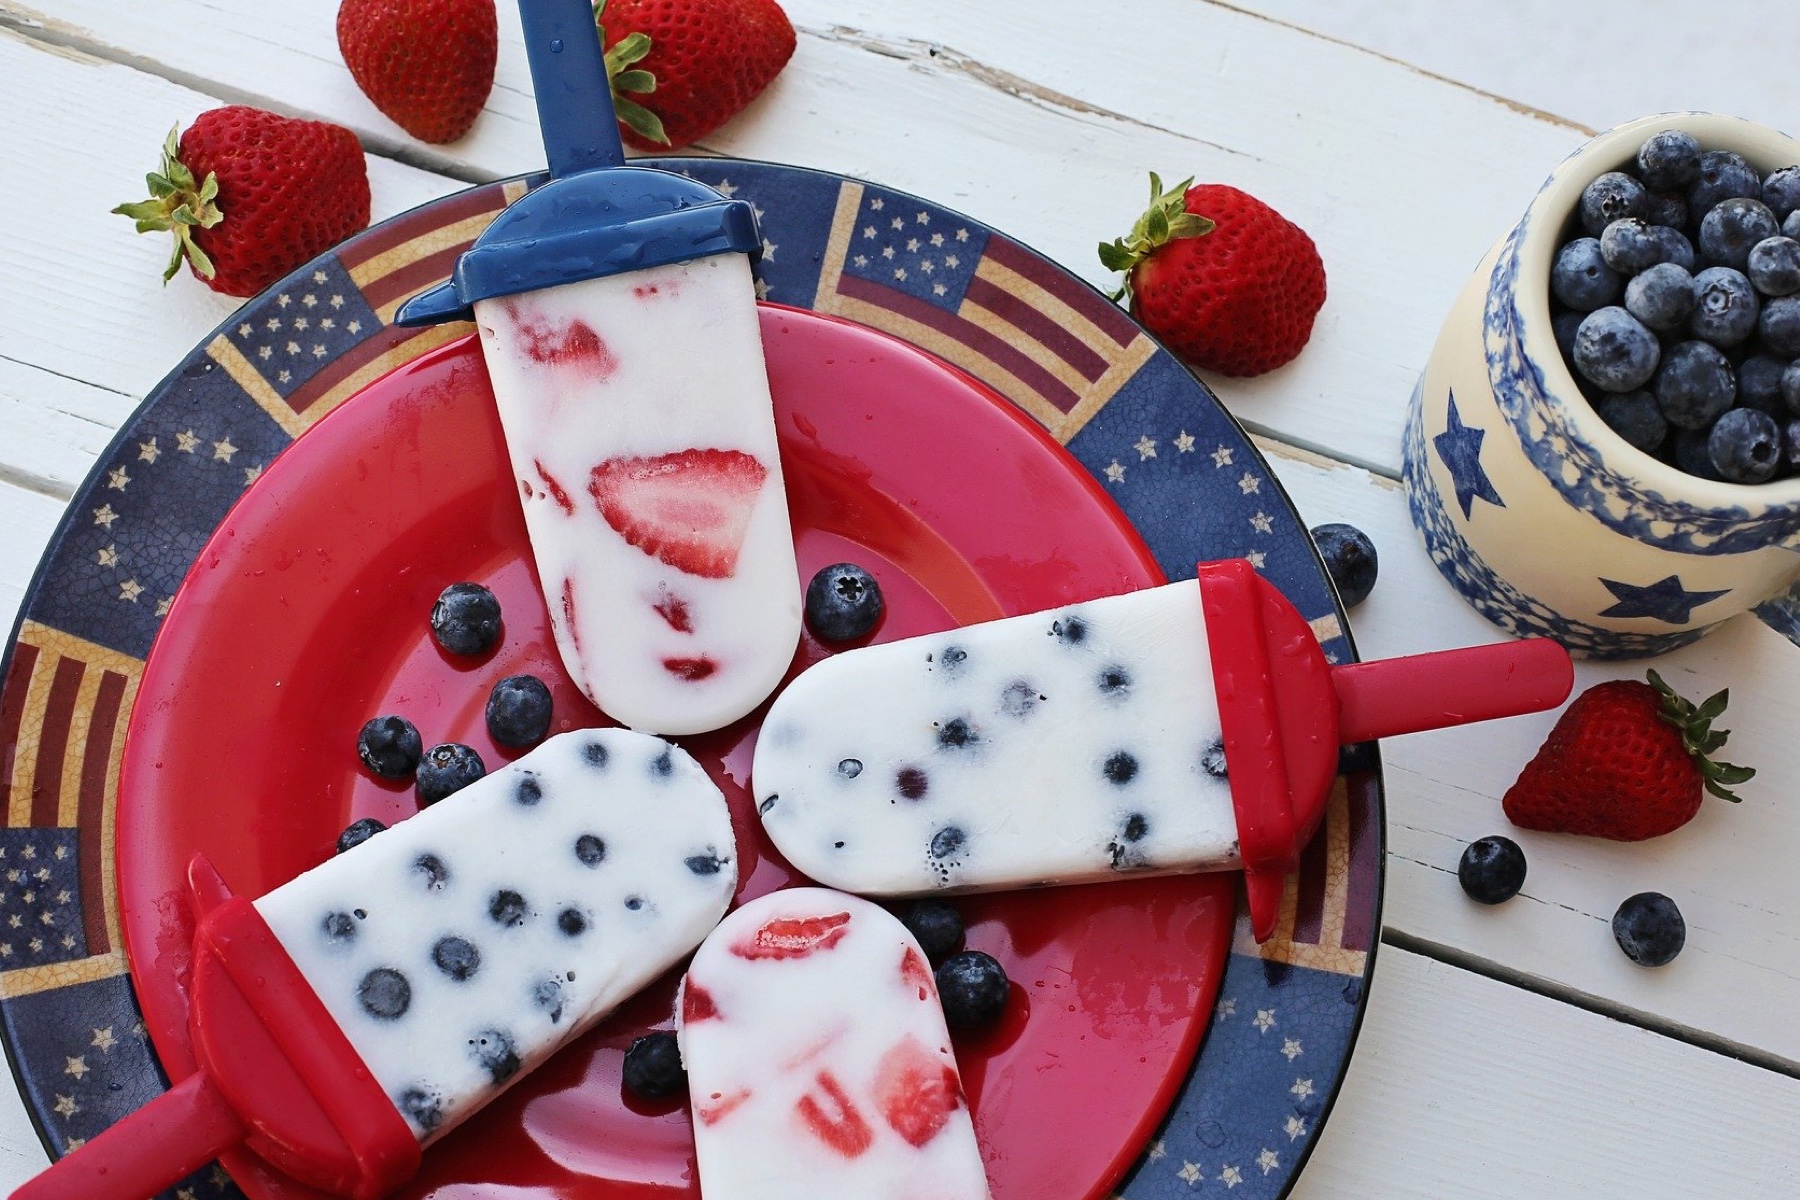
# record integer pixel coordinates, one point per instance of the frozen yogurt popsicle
(618, 322)
(1188, 727)
(818, 1062)
(374, 1002)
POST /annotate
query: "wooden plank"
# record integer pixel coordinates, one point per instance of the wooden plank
(1730, 869)
(91, 130)
(54, 426)
(1052, 132)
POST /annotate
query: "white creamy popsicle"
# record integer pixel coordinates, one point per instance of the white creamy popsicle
(638, 420)
(1056, 747)
(462, 946)
(818, 1060)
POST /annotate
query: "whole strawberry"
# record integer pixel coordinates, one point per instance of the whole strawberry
(1626, 761)
(427, 64)
(250, 195)
(702, 60)
(1228, 283)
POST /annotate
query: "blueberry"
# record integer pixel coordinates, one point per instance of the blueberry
(1628, 246)
(389, 746)
(358, 832)
(447, 769)
(1666, 208)
(1673, 246)
(518, 710)
(573, 922)
(1581, 279)
(1693, 385)
(1774, 266)
(466, 619)
(1614, 351)
(339, 926)
(1791, 226)
(937, 926)
(1790, 444)
(843, 603)
(1120, 768)
(704, 864)
(1610, 197)
(1492, 869)
(1781, 191)
(1670, 159)
(653, 1067)
(424, 1107)
(494, 1052)
(384, 993)
(1649, 929)
(1759, 384)
(1790, 387)
(973, 988)
(456, 957)
(1723, 175)
(947, 841)
(1725, 307)
(1350, 560)
(1634, 417)
(1661, 297)
(590, 850)
(1745, 446)
(1731, 228)
(1212, 760)
(1779, 325)
(849, 768)
(432, 869)
(957, 734)
(508, 908)
(1690, 452)
(912, 782)
(1563, 325)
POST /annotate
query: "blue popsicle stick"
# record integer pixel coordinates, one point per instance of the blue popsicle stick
(574, 97)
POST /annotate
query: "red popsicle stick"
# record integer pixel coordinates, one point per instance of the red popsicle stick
(1449, 687)
(277, 1074)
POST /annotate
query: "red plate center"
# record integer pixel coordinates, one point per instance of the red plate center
(306, 615)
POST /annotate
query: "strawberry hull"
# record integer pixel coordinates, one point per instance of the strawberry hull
(637, 416)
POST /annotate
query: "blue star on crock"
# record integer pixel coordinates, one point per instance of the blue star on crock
(1460, 448)
(1665, 600)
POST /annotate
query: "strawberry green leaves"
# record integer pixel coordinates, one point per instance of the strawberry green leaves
(1164, 221)
(180, 205)
(1700, 739)
(625, 76)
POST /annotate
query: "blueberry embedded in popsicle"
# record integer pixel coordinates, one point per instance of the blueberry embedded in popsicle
(384, 993)
(508, 908)
(590, 849)
(495, 1052)
(456, 957)
(433, 873)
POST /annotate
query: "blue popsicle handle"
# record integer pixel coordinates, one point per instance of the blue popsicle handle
(574, 98)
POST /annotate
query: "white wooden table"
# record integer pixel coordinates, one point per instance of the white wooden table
(1506, 1052)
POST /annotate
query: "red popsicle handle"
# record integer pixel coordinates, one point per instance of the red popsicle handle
(161, 1143)
(1449, 687)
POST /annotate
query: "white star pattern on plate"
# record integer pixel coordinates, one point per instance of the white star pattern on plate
(66, 1106)
(1268, 1160)
(1189, 1173)
(1184, 442)
(104, 515)
(1115, 472)
(130, 590)
(1231, 1177)
(187, 441)
(1290, 1049)
(147, 451)
(1157, 1150)
(1145, 448)
(1265, 1020)
(1302, 1088)
(223, 450)
(104, 1039)
(1223, 1009)
(1222, 456)
(1262, 522)
(725, 188)
(1249, 483)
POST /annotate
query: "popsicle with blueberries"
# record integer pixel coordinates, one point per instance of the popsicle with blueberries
(367, 1007)
(1189, 727)
(618, 322)
(818, 1059)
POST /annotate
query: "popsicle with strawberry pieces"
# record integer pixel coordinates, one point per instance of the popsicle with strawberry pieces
(617, 316)
(818, 1060)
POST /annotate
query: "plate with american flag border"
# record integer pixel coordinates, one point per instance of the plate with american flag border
(1152, 435)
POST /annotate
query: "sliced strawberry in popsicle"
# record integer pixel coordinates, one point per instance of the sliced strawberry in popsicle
(690, 509)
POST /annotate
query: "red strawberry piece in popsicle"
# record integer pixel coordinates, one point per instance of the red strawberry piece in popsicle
(793, 937)
(835, 1121)
(690, 509)
(916, 1090)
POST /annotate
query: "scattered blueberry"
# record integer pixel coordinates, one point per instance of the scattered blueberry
(1691, 453)
(1661, 297)
(389, 746)
(653, 1067)
(1666, 209)
(1774, 266)
(1492, 869)
(1731, 227)
(1722, 176)
(1790, 387)
(1614, 351)
(1628, 246)
(1791, 226)
(466, 619)
(1563, 325)
(1675, 246)
(1781, 191)
(843, 603)
(1693, 385)
(384, 993)
(1649, 929)
(1607, 199)
(1745, 446)
(1790, 444)
(447, 769)
(1779, 326)
(1670, 159)
(973, 988)
(518, 710)
(1350, 560)
(1759, 384)
(1725, 307)
(1634, 417)
(1581, 279)
(358, 832)
(938, 927)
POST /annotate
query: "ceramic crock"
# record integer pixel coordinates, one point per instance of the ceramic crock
(1542, 517)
